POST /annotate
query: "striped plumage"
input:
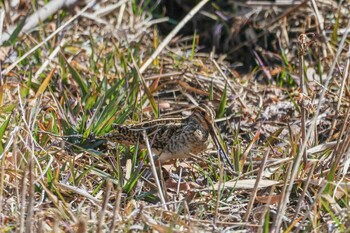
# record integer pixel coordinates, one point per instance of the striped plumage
(169, 138)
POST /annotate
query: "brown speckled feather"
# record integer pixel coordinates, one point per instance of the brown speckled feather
(170, 138)
(158, 135)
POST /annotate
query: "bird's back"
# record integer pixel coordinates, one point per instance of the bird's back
(158, 133)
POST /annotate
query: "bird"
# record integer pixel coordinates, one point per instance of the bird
(172, 138)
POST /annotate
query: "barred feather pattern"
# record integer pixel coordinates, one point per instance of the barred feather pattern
(169, 139)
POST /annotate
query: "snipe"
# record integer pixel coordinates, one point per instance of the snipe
(172, 138)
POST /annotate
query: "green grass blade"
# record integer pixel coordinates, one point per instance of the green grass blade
(223, 102)
(15, 33)
(148, 92)
(193, 45)
(2, 132)
(81, 83)
(266, 228)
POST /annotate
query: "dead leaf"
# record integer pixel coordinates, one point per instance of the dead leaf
(4, 51)
(269, 199)
(247, 184)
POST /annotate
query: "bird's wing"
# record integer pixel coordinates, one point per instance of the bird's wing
(158, 134)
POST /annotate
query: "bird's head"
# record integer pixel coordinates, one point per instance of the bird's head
(204, 115)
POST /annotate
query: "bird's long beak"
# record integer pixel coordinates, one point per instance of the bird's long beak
(218, 145)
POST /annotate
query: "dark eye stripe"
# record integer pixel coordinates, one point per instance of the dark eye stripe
(208, 110)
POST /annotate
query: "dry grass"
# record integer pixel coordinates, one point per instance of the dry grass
(289, 142)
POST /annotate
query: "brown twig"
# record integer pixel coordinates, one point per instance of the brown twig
(100, 219)
(256, 185)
